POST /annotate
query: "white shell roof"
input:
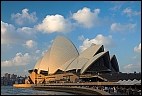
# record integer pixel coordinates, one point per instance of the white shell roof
(93, 59)
(84, 57)
(44, 64)
(61, 51)
(63, 55)
(90, 52)
(37, 64)
(77, 63)
(64, 66)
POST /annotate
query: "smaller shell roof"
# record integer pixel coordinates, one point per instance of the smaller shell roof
(77, 63)
(84, 57)
(64, 66)
(90, 52)
(38, 63)
(44, 62)
(93, 59)
(114, 63)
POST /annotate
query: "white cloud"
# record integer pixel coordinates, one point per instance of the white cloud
(24, 17)
(86, 18)
(5, 49)
(130, 68)
(99, 39)
(116, 7)
(129, 12)
(11, 35)
(19, 59)
(43, 52)
(54, 23)
(30, 44)
(27, 30)
(135, 60)
(117, 27)
(81, 38)
(138, 48)
(37, 51)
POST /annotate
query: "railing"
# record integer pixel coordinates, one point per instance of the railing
(91, 86)
(79, 84)
(72, 89)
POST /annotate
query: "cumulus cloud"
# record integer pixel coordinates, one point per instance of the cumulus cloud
(130, 68)
(19, 59)
(99, 39)
(27, 30)
(54, 23)
(86, 18)
(24, 17)
(138, 48)
(30, 44)
(38, 51)
(117, 27)
(135, 60)
(11, 35)
(129, 12)
(43, 52)
(81, 38)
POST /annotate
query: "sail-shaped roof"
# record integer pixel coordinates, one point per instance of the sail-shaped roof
(44, 64)
(63, 55)
(114, 63)
(93, 59)
(61, 51)
(84, 57)
(38, 63)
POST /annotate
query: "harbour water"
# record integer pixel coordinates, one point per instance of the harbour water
(10, 90)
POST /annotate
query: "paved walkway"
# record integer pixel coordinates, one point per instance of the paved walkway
(73, 89)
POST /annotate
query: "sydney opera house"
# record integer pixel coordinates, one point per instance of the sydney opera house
(63, 63)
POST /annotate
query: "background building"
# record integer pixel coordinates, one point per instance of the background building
(10, 79)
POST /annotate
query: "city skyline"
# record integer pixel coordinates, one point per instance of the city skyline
(29, 28)
(10, 79)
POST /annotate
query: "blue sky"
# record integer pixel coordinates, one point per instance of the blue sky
(28, 29)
